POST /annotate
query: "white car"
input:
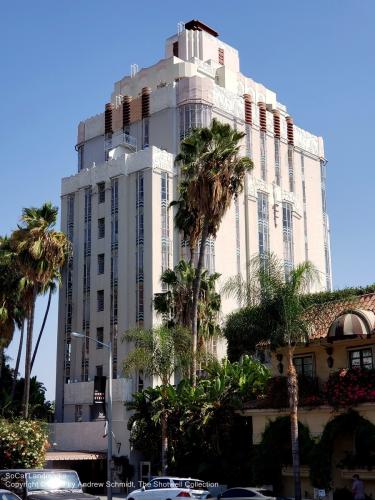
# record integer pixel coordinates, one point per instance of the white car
(246, 493)
(169, 488)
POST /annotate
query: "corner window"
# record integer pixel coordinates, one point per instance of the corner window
(304, 365)
(361, 358)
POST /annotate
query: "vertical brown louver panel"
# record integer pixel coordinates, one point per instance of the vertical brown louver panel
(290, 129)
(248, 109)
(262, 116)
(175, 49)
(221, 56)
(276, 124)
(126, 111)
(108, 118)
(146, 91)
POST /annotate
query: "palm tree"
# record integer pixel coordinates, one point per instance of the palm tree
(278, 316)
(175, 304)
(213, 174)
(160, 352)
(11, 310)
(41, 252)
(50, 289)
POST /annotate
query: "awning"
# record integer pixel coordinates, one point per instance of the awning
(52, 456)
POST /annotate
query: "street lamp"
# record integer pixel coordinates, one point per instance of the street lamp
(109, 409)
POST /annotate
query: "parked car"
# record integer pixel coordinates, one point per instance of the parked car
(8, 495)
(247, 493)
(43, 484)
(168, 488)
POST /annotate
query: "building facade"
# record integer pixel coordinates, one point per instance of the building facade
(115, 207)
(336, 398)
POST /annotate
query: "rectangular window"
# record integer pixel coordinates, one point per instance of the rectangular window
(175, 49)
(304, 365)
(263, 156)
(100, 300)
(291, 168)
(99, 337)
(80, 157)
(277, 162)
(101, 263)
(99, 370)
(101, 228)
(263, 224)
(146, 133)
(101, 192)
(288, 237)
(140, 382)
(78, 413)
(361, 358)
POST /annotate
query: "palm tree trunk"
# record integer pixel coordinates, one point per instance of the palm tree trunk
(29, 346)
(293, 406)
(164, 443)
(196, 290)
(17, 367)
(41, 329)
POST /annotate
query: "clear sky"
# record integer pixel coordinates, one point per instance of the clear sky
(60, 58)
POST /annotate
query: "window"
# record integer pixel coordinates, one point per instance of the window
(159, 483)
(101, 263)
(99, 336)
(140, 384)
(146, 133)
(101, 228)
(100, 300)
(361, 358)
(288, 237)
(78, 413)
(80, 157)
(263, 156)
(175, 49)
(101, 192)
(263, 227)
(99, 370)
(304, 365)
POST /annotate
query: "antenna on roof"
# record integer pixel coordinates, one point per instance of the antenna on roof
(133, 69)
(180, 27)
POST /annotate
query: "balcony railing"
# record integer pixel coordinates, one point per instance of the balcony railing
(120, 138)
(344, 388)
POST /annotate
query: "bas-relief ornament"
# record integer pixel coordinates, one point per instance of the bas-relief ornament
(306, 141)
(229, 102)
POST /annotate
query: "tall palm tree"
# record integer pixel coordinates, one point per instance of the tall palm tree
(11, 310)
(160, 352)
(278, 315)
(213, 173)
(41, 253)
(50, 289)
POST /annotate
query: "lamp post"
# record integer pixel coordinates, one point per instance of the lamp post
(109, 409)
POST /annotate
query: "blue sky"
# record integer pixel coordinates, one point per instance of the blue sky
(59, 60)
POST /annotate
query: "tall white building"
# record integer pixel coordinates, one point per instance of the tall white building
(115, 208)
